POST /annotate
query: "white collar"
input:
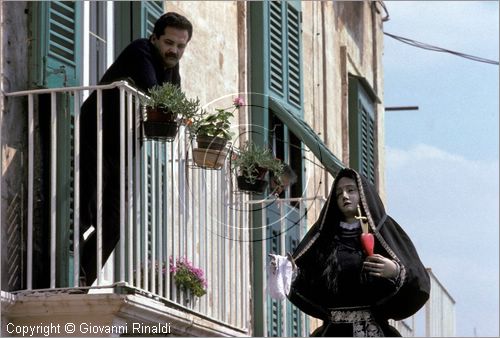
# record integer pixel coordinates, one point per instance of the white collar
(350, 226)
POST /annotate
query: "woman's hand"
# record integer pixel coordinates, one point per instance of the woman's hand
(290, 258)
(380, 266)
(274, 262)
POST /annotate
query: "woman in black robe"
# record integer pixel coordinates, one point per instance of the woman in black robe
(355, 294)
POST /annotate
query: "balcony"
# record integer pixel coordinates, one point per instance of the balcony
(169, 209)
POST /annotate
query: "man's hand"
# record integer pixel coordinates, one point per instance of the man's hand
(379, 266)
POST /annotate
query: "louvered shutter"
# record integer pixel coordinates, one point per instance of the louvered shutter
(285, 71)
(150, 12)
(294, 320)
(294, 62)
(276, 47)
(362, 150)
(57, 45)
(134, 20)
(55, 62)
(274, 312)
(285, 84)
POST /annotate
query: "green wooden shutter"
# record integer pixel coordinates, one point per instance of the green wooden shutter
(55, 61)
(286, 86)
(150, 12)
(285, 70)
(362, 150)
(293, 20)
(276, 48)
(276, 72)
(59, 48)
(274, 314)
(135, 20)
(57, 45)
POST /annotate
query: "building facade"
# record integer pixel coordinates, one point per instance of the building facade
(311, 74)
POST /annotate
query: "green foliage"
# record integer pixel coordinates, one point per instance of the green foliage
(188, 277)
(214, 125)
(217, 124)
(172, 99)
(252, 157)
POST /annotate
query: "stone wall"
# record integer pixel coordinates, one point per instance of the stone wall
(14, 76)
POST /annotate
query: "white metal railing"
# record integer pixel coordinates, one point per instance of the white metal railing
(168, 209)
(439, 310)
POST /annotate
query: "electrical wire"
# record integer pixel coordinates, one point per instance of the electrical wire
(386, 17)
(439, 49)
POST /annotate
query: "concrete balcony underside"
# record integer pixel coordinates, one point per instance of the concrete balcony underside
(126, 313)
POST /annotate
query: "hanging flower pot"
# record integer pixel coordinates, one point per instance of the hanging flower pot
(211, 152)
(166, 106)
(252, 162)
(209, 158)
(212, 131)
(257, 186)
(281, 180)
(160, 124)
(210, 142)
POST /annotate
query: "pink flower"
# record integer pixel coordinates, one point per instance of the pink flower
(238, 102)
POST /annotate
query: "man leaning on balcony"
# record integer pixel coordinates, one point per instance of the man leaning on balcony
(144, 63)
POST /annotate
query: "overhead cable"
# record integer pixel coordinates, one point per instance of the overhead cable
(439, 49)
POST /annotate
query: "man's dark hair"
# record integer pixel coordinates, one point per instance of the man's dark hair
(172, 19)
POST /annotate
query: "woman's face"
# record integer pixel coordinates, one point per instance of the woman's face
(347, 195)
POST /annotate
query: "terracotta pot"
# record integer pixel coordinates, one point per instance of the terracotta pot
(210, 142)
(160, 124)
(209, 158)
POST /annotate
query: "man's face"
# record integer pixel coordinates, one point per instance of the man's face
(171, 45)
(347, 197)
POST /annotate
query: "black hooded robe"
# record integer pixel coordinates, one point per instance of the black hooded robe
(312, 293)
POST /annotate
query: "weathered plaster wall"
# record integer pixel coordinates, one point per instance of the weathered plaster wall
(335, 43)
(14, 51)
(214, 66)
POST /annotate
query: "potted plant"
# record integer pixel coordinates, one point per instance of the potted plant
(188, 278)
(166, 107)
(252, 163)
(212, 133)
(280, 181)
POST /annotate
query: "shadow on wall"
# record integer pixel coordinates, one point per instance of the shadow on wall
(15, 198)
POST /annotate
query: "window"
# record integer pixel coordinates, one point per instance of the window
(56, 47)
(98, 36)
(362, 128)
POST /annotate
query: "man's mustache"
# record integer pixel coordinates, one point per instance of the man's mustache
(173, 55)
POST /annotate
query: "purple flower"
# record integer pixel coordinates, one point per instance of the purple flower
(238, 102)
(188, 276)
